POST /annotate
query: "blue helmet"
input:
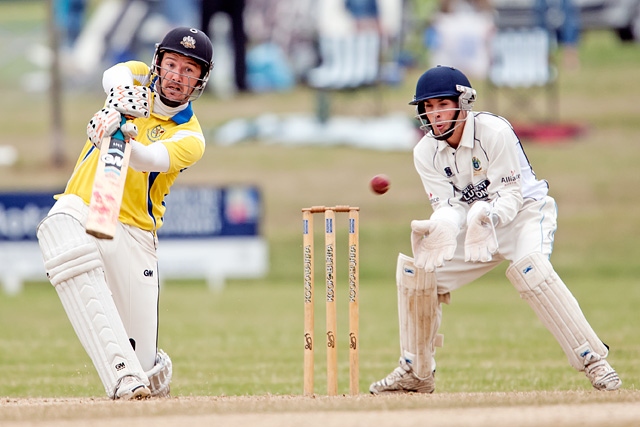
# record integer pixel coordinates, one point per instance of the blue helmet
(444, 82)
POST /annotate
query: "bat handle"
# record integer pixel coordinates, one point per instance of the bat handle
(119, 135)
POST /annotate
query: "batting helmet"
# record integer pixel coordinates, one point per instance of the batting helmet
(189, 42)
(444, 82)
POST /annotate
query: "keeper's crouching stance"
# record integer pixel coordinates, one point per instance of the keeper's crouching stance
(488, 207)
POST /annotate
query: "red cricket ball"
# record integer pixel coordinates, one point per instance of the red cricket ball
(380, 184)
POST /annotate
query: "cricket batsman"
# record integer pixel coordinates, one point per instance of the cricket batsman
(110, 288)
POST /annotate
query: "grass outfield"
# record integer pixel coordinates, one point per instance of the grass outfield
(247, 340)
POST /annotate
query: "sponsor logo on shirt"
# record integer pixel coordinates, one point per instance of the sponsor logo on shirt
(472, 193)
(510, 179)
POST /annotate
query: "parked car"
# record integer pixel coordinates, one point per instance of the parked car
(621, 16)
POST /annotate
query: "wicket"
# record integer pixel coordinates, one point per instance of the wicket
(331, 312)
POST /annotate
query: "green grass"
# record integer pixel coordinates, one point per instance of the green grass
(247, 340)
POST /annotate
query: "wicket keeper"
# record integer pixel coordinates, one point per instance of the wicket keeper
(488, 207)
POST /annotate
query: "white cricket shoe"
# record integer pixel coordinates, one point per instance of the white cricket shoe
(403, 380)
(600, 373)
(131, 388)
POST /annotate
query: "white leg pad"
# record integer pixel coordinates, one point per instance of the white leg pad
(419, 313)
(160, 375)
(554, 304)
(75, 270)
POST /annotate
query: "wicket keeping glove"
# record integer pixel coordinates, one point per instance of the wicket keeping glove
(132, 101)
(433, 242)
(481, 241)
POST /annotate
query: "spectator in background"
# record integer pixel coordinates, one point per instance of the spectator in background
(457, 6)
(182, 13)
(235, 10)
(368, 39)
(70, 16)
(562, 19)
(365, 14)
(460, 36)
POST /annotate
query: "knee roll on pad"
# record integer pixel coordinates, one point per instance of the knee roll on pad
(74, 268)
(66, 250)
(537, 282)
(419, 314)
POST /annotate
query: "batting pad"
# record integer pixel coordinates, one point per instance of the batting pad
(74, 268)
(533, 276)
(160, 375)
(419, 313)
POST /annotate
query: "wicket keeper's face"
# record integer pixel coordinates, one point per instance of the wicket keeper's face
(441, 113)
(179, 76)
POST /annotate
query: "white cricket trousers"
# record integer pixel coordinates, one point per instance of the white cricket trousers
(531, 231)
(131, 272)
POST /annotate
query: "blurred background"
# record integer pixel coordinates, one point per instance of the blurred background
(308, 99)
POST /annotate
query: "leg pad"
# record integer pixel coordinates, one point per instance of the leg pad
(536, 281)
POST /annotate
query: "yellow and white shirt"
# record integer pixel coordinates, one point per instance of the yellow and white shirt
(144, 192)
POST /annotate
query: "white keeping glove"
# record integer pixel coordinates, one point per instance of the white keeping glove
(480, 242)
(103, 123)
(132, 101)
(433, 242)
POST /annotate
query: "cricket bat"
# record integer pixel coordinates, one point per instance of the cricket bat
(108, 186)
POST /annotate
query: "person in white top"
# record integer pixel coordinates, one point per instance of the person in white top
(488, 207)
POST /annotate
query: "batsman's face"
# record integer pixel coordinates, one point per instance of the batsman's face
(441, 114)
(179, 76)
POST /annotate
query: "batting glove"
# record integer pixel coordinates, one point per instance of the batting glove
(481, 241)
(433, 242)
(132, 101)
(129, 130)
(104, 123)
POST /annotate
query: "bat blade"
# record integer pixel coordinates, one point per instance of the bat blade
(108, 187)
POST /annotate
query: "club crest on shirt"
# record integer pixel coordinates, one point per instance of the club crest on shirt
(477, 167)
(155, 133)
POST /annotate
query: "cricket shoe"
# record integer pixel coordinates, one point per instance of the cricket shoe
(600, 373)
(403, 380)
(131, 388)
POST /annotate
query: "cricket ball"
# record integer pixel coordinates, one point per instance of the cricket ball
(380, 184)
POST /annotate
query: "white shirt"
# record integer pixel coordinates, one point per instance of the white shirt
(489, 164)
